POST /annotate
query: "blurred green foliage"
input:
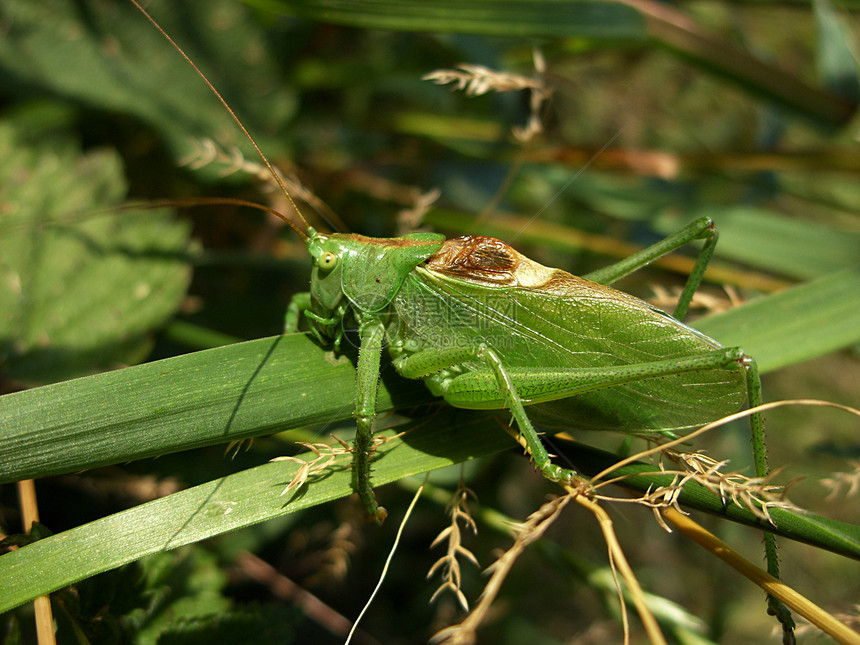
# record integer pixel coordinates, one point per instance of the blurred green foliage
(743, 111)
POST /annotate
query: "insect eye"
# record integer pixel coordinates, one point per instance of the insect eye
(327, 261)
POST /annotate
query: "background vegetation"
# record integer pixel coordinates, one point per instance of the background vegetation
(660, 114)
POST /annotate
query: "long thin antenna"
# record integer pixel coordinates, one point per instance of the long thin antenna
(247, 134)
(188, 202)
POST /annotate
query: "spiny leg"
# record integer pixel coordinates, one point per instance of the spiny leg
(506, 380)
(543, 461)
(775, 606)
(428, 362)
(371, 334)
(471, 388)
(702, 228)
(539, 385)
(578, 381)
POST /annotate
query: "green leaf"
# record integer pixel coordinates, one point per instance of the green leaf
(775, 242)
(516, 18)
(205, 398)
(256, 494)
(112, 58)
(230, 503)
(837, 51)
(78, 293)
(794, 325)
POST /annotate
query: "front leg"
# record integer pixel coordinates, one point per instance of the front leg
(301, 306)
(299, 303)
(371, 334)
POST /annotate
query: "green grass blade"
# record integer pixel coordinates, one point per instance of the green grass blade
(680, 34)
(837, 44)
(794, 325)
(519, 18)
(255, 495)
(796, 524)
(230, 503)
(209, 397)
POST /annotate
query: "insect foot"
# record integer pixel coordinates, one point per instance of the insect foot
(556, 474)
(569, 477)
(379, 515)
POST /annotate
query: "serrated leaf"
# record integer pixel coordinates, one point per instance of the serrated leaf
(79, 291)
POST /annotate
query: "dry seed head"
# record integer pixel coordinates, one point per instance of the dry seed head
(476, 80)
(276, 177)
(708, 303)
(341, 544)
(235, 446)
(409, 219)
(755, 494)
(843, 484)
(450, 563)
(325, 456)
(527, 532)
(207, 152)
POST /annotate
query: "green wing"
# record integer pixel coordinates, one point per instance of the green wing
(572, 323)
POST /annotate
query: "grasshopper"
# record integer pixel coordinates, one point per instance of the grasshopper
(485, 327)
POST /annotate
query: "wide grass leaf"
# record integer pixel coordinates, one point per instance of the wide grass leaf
(258, 494)
(209, 397)
(794, 325)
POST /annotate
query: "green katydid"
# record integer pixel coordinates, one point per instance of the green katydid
(487, 328)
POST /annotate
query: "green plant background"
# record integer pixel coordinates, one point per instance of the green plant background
(748, 121)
